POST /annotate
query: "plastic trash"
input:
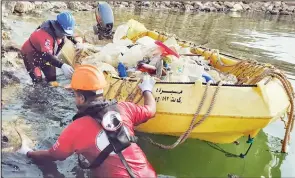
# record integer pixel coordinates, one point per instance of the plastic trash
(166, 49)
(120, 32)
(110, 53)
(207, 77)
(135, 28)
(193, 70)
(131, 56)
(178, 78)
(146, 41)
(122, 70)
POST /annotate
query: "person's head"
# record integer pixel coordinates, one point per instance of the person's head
(88, 83)
(65, 25)
(104, 14)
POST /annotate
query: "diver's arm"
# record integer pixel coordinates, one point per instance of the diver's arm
(149, 101)
(42, 155)
(53, 60)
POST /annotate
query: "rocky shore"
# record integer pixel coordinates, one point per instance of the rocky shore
(275, 7)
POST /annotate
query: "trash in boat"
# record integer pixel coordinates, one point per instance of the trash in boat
(167, 60)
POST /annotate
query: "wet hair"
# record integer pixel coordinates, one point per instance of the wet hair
(88, 95)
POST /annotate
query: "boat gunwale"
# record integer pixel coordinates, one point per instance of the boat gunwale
(184, 83)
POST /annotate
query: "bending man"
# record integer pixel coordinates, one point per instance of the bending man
(40, 50)
(103, 130)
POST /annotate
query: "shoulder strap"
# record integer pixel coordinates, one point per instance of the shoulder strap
(53, 36)
(103, 156)
(99, 159)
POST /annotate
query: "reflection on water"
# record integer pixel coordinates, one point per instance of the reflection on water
(253, 36)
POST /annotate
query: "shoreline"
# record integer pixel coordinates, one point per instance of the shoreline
(274, 8)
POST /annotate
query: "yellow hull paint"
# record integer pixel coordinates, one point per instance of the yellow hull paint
(238, 110)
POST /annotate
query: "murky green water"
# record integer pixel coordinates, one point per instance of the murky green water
(254, 36)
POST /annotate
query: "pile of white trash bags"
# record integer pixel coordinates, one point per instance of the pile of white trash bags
(127, 59)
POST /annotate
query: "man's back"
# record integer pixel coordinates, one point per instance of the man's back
(86, 137)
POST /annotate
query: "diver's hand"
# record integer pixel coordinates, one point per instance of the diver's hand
(24, 149)
(67, 70)
(147, 84)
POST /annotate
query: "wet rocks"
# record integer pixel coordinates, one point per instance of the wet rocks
(5, 25)
(237, 8)
(5, 35)
(24, 6)
(189, 6)
(9, 6)
(59, 5)
(79, 6)
(74, 5)
(35, 7)
(229, 4)
(8, 78)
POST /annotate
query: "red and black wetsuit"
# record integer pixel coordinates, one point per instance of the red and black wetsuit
(40, 50)
(85, 136)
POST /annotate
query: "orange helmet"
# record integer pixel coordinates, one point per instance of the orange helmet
(88, 77)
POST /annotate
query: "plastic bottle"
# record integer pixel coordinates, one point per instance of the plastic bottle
(122, 70)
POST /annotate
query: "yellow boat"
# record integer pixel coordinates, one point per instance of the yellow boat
(261, 96)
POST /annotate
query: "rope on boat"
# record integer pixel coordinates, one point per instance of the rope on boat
(255, 72)
(193, 125)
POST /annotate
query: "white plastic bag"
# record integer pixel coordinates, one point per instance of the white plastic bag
(131, 56)
(120, 32)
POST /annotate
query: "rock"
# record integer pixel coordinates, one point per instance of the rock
(5, 35)
(147, 3)
(121, 5)
(5, 25)
(74, 5)
(270, 7)
(277, 3)
(131, 6)
(217, 6)
(237, 8)
(188, 7)
(37, 13)
(86, 7)
(229, 4)
(266, 4)
(285, 13)
(284, 7)
(256, 5)
(47, 5)
(274, 11)
(167, 3)
(24, 6)
(59, 5)
(291, 9)
(5, 14)
(94, 3)
(207, 7)
(163, 6)
(246, 7)
(8, 78)
(186, 3)
(9, 6)
(126, 4)
(38, 5)
(198, 5)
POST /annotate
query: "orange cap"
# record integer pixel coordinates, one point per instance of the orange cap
(88, 77)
